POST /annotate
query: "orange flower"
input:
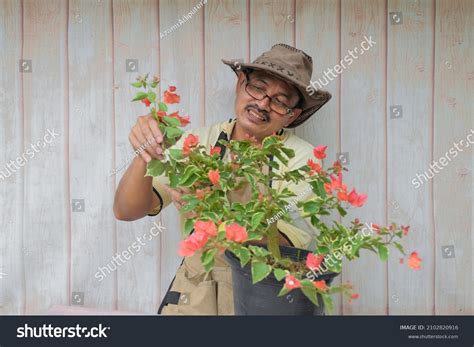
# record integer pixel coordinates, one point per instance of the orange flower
(401, 260)
(215, 150)
(314, 261)
(291, 282)
(196, 241)
(201, 193)
(146, 102)
(320, 151)
(321, 285)
(183, 120)
(236, 232)
(414, 261)
(355, 199)
(315, 167)
(189, 142)
(214, 176)
(355, 296)
(206, 227)
(170, 97)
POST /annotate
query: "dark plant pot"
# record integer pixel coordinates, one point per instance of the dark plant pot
(262, 298)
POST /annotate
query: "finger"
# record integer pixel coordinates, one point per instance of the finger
(155, 130)
(151, 144)
(144, 147)
(136, 144)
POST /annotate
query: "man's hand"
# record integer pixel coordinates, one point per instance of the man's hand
(176, 197)
(146, 138)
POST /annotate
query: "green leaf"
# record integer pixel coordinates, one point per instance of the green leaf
(176, 154)
(155, 168)
(207, 259)
(140, 96)
(318, 187)
(151, 96)
(190, 181)
(257, 219)
(260, 270)
(188, 226)
(190, 205)
(172, 121)
(310, 291)
(279, 274)
(162, 107)
(174, 180)
(399, 247)
(243, 254)
(311, 206)
(190, 170)
(383, 252)
(328, 305)
(290, 153)
(283, 291)
(259, 251)
(342, 212)
(136, 84)
(172, 132)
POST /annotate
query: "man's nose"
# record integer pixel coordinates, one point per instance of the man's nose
(264, 104)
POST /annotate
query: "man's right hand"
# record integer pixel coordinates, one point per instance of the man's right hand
(146, 138)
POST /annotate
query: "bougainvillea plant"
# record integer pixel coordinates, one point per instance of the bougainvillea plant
(221, 225)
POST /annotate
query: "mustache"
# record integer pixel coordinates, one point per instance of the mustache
(259, 110)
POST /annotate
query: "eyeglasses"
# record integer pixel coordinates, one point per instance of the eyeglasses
(259, 94)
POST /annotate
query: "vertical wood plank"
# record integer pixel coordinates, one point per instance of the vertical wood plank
(318, 34)
(453, 114)
(181, 64)
(363, 136)
(410, 84)
(271, 22)
(12, 263)
(135, 37)
(225, 21)
(46, 223)
(92, 144)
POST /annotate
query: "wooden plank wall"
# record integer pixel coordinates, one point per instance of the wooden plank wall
(79, 86)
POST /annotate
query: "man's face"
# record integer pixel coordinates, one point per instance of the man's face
(255, 117)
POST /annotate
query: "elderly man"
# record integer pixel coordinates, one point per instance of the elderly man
(270, 96)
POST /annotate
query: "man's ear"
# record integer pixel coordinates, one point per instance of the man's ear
(296, 114)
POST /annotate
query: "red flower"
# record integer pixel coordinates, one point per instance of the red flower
(355, 199)
(337, 185)
(215, 150)
(321, 285)
(414, 261)
(401, 260)
(189, 142)
(291, 282)
(183, 120)
(206, 227)
(214, 176)
(161, 114)
(355, 296)
(314, 261)
(376, 227)
(172, 88)
(405, 229)
(201, 193)
(315, 167)
(171, 98)
(196, 241)
(146, 102)
(235, 232)
(320, 151)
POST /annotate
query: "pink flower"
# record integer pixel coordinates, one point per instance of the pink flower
(355, 199)
(189, 142)
(405, 229)
(315, 167)
(414, 261)
(194, 242)
(320, 151)
(206, 227)
(314, 261)
(215, 150)
(235, 232)
(291, 282)
(214, 176)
